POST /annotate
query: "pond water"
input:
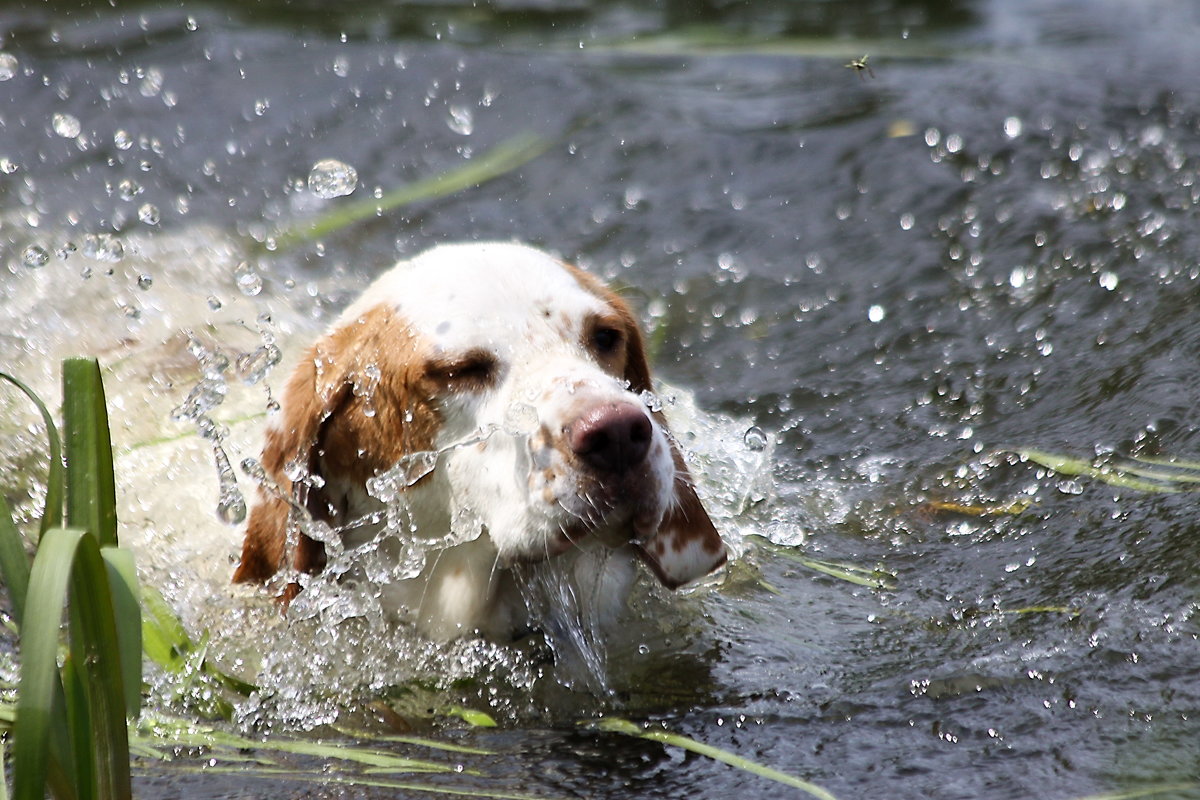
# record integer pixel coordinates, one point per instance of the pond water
(985, 244)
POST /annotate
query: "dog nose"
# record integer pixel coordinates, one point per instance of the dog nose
(612, 437)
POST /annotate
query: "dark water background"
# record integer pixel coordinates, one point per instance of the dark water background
(989, 243)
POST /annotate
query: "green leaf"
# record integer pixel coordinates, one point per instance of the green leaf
(53, 512)
(123, 582)
(14, 563)
(627, 728)
(478, 719)
(39, 688)
(91, 488)
(96, 650)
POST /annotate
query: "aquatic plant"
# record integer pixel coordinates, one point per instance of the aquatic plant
(69, 728)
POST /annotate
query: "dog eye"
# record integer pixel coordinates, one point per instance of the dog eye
(606, 340)
(474, 371)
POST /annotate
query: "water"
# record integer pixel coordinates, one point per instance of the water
(990, 244)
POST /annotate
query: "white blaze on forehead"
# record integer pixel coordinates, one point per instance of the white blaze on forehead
(491, 295)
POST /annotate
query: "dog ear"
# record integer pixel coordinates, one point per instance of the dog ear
(291, 443)
(350, 410)
(687, 545)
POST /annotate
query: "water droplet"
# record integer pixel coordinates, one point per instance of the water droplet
(462, 120)
(66, 125)
(876, 313)
(1109, 280)
(8, 166)
(8, 66)
(252, 367)
(122, 140)
(35, 256)
(214, 302)
(332, 178)
(248, 281)
(652, 401)
(103, 247)
(145, 281)
(148, 213)
(129, 189)
(152, 82)
(520, 419)
(755, 439)
(1012, 127)
(205, 396)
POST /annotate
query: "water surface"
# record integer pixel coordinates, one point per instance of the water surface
(987, 244)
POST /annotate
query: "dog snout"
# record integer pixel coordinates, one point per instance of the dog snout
(611, 438)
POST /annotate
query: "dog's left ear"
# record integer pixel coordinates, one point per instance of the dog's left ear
(687, 545)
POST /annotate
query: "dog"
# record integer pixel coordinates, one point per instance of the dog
(504, 396)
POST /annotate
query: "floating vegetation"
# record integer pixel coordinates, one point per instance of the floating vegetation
(1133, 472)
(871, 577)
(978, 509)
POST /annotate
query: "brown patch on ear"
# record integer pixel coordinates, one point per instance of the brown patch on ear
(354, 406)
(687, 545)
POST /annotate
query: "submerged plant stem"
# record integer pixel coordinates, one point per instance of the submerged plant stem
(617, 725)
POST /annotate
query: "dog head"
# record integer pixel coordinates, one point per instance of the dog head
(519, 384)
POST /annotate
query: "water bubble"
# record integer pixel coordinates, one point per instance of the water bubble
(145, 281)
(462, 120)
(248, 281)
(755, 439)
(35, 256)
(8, 66)
(149, 214)
(65, 251)
(876, 313)
(330, 178)
(1109, 280)
(1012, 127)
(122, 140)
(103, 247)
(66, 125)
(8, 166)
(214, 302)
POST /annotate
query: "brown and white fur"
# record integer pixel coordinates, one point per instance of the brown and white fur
(524, 383)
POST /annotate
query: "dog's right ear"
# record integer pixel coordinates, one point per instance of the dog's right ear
(352, 409)
(292, 447)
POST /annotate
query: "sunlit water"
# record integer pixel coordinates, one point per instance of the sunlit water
(864, 287)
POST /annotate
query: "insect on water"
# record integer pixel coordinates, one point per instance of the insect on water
(860, 66)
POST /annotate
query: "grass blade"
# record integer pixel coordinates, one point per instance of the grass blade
(503, 158)
(91, 489)
(39, 682)
(14, 563)
(52, 514)
(127, 613)
(623, 726)
(96, 649)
